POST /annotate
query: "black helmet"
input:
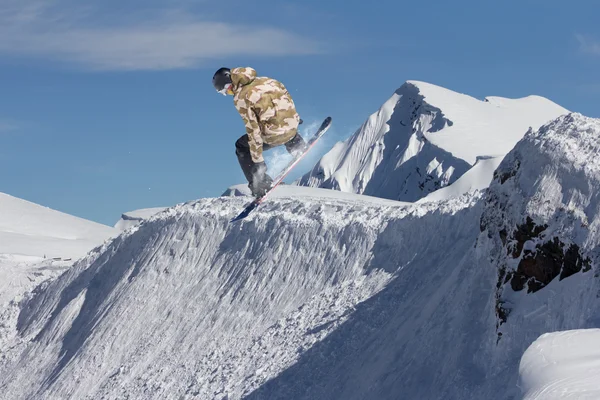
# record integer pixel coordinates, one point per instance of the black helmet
(221, 79)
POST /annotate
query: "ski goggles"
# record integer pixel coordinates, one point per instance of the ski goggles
(227, 89)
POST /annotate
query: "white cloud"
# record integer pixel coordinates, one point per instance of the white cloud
(588, 45)
(173, 39)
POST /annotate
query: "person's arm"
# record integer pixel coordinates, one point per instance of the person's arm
(252, 129)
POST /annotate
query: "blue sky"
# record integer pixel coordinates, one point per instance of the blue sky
(107, 106)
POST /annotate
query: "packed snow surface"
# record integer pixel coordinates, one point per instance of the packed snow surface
(19, 275)
(562, 365)
(133, 218)
(424, 138)
(316, 194)
(32, 230)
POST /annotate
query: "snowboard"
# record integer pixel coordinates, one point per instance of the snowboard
(279, 178)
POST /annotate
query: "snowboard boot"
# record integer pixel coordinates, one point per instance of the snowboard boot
(260, 187)
(296, 146)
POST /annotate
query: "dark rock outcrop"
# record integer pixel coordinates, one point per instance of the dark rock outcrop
(550, 258)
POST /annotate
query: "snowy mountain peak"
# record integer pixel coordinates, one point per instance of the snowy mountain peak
(424, 138)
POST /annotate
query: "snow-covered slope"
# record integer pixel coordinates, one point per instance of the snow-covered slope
(133, 218)
(424, 138)
(32, 230)
(28, 233)
(315, 296)
(562, 365)
(476, 178)
(187, 305)
(19, 275)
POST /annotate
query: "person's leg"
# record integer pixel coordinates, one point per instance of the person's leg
(256, 174)
(242, 151)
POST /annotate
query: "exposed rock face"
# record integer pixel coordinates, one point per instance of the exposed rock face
(539, 266)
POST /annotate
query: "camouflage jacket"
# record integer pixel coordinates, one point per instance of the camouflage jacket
(267, 109)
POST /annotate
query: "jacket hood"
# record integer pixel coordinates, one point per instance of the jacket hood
(242, 76)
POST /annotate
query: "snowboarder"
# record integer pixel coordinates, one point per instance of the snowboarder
(270, 117)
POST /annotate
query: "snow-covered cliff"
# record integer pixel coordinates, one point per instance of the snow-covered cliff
(540, 232)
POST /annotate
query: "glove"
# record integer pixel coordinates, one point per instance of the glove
(261, 182)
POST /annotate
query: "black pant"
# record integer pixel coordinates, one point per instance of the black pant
(242, 151)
